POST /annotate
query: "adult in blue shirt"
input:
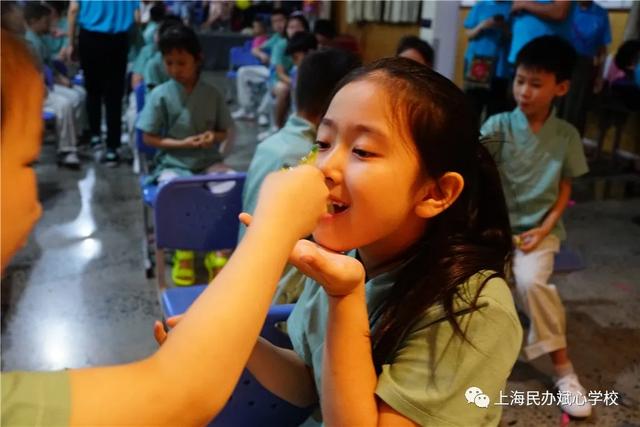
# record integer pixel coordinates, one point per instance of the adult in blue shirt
(533, 19)
(487, 28)
(103, 47)
(590, 33)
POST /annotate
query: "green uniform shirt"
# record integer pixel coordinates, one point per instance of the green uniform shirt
(36, 399)
(154, 73)
(38, 47)
(143, 57)
(531, 165)
(433, 367)
(170, 112)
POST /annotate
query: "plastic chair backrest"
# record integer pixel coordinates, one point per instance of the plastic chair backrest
(240, 56)
(143, 148)
(191, 215)
(48, 76)
(250, 403)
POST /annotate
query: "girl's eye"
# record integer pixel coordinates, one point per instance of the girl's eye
(322, 145)
(362, 153)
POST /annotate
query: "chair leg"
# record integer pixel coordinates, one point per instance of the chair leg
(619, 126)
(160, 268)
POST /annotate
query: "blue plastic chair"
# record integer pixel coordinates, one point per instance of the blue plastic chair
(239, 57)
(250, 403)
(189, 215)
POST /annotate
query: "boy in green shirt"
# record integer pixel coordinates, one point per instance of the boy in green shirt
(538, 154)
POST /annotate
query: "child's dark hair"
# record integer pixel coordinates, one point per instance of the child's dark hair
(59, 6)
(279, 11)
(413, 42)
(471, 235)
(300, 17)
(179, 37)
(627, 54)
(325, 28)
(35, 10)
(552, 54)
(301, 42)
(157, 12)
(318, 75)
(167, 22)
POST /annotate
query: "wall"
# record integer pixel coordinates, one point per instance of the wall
(379, 40)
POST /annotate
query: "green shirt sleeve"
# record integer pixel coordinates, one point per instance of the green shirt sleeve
(575, 162)
(433, 368)
(153, 117)
(36, 399)
(223, 117)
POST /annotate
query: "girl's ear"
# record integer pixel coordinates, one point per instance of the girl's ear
(437, 196)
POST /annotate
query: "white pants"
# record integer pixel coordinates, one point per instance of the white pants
(78, 96)
(66, 130)
(249, 74)
(540, 299)
(218, 187)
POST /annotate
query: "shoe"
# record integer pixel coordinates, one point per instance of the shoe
(70, 160)
(111, 158)
(263, 120)
(182, 272)
(95, 141)
(573, 397)
(241, 114)
(214, 263)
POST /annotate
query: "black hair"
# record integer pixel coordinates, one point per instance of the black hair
(35, 10)
(279, 11)
(318, 75)
(167, 22)
(325, 28)
(59, 6)
(180, 37)
(471, 235)
(421, 46)
(157, 12)
(300, 17)
(552, 54)
(627, 54)
(7, 6)
(301, 42)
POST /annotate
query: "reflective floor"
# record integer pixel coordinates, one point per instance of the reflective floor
(77, 294)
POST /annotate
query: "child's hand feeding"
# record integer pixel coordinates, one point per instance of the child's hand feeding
(294, 199)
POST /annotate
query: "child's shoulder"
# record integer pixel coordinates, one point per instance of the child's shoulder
(565, 130)
(206, 88)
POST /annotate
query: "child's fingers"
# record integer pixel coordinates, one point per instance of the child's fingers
(159, 333)
(245, 218)
(173, 320)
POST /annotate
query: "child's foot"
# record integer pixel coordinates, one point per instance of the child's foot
(573, 397)
(111, 158)
(182, 272)
(70, 160)
(214, 263)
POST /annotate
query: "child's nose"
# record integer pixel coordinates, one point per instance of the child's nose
(331, 166)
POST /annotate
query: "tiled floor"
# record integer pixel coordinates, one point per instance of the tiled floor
(77, 294)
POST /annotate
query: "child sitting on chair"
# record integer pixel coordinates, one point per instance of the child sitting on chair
(186, 119)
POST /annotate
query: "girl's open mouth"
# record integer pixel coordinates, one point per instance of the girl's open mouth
(336, 208)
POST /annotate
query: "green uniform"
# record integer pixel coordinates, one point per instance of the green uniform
(36, 399)
(431, 370)
(532, 164)
(170, 112)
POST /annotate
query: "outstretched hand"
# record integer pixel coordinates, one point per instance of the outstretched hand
(337, 273)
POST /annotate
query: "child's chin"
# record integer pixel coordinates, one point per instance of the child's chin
(331, 241)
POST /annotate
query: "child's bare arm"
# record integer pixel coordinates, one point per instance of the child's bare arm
(215, 337)
(531, 238)
(283, 372)
(171, 143)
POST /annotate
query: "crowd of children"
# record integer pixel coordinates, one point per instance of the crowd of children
(418, 215)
